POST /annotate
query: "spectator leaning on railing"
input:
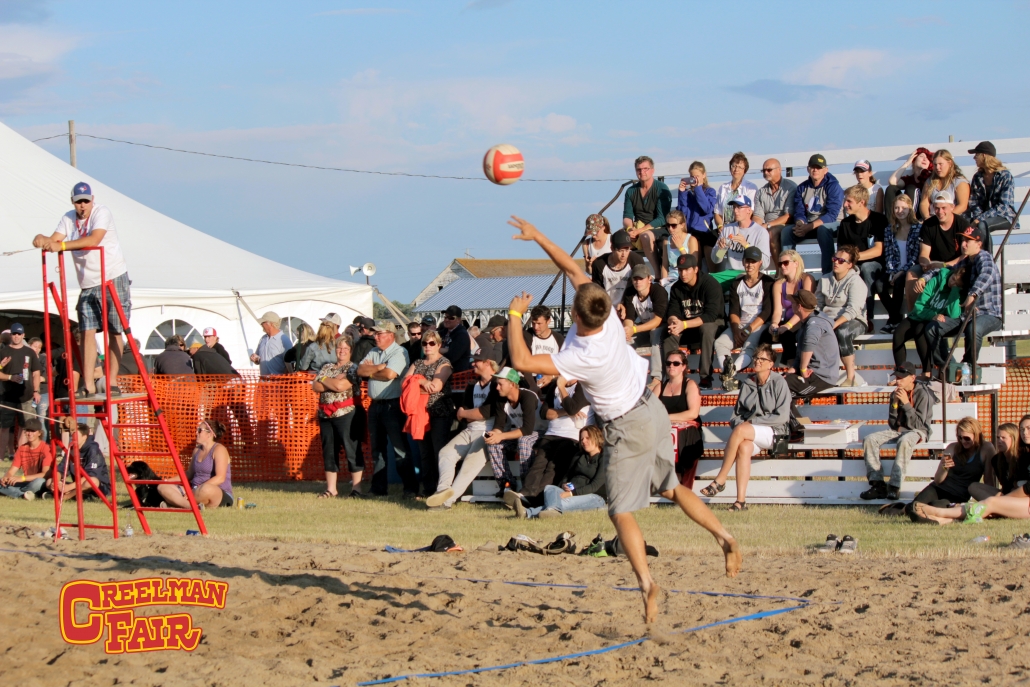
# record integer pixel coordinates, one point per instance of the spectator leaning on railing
(909, 417)
(817, 207)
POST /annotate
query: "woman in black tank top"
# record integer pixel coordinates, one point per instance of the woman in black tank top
(682, 400)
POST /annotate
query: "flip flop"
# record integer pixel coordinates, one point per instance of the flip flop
(893, 509)
(327, 495)
(917, 516)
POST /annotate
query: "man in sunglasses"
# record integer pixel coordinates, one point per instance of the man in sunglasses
(774, 203)
(817, 206)
(88, 226)
(414, 343)
(457, 344)
(909, 417)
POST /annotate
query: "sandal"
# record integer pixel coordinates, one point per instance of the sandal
(738, 506)
(916, 515)
(327, 495)
(713, 489)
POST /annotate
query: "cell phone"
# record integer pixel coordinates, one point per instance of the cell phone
(570, 486)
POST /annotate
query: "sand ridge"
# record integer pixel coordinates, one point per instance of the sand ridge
(301, 613)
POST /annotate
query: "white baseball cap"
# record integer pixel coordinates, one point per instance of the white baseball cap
(210, 331)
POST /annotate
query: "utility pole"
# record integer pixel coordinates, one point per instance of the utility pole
(71, 142)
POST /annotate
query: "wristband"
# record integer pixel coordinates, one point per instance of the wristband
(634, 329)
(804, 369)
(62, 245)
(515, 313)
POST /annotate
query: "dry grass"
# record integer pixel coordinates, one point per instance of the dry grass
(291, 512)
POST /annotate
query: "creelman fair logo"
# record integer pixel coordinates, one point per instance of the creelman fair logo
(109, 607)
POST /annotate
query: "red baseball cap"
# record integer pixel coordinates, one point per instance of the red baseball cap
(210, 331)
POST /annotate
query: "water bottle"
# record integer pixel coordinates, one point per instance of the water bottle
(982, 539)
(967, 375)
(128, 531)
(26, 376)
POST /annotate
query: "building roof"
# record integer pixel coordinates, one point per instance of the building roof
(495, 293)
(506, 268)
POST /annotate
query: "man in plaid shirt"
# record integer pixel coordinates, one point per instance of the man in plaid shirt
(984, 294)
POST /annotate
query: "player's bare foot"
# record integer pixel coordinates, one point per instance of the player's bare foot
(734, 560)
(651, 595)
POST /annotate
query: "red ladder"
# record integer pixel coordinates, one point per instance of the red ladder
(104, 410)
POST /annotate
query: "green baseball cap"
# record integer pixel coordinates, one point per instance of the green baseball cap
(507, 373)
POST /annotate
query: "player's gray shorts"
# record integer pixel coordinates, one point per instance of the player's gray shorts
(641, 459)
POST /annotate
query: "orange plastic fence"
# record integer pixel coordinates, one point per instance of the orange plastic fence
(273, 427)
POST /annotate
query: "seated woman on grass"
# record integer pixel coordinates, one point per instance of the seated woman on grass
(961, 466)
(209, 472)
(762, 412)
(585, 477)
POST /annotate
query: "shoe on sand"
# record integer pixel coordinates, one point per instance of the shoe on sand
(848, 544)
(831, 544)
(439, 498)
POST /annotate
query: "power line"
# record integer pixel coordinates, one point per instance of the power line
(303, 166)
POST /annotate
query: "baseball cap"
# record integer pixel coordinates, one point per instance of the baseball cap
(507, 373)
(640, 271)
(972, 232)
(863, 166)
(17, 328)
(595, 223)
(905, 369)
(271, 318)
(496, 321)
(481, 355)
(817, 161)
(452, 311)
(686, 261)
(33, 425)
(82, 191)
(753, 253)
(985, 147)
(332, 318)
(196, 345)
(621, 239)
(806, 299)
(943, 197)
(210, 331)
(367, 323)
(742, 201)
(428, 321)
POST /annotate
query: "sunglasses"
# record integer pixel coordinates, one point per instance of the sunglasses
(674, 363)
(429, 344)
(965, 438)
(768, 170)
(450, 318)
(841, 261)
(675, 224)
(201, 430)
(784, 263)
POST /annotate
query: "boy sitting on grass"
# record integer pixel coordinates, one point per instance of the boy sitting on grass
(34, 459)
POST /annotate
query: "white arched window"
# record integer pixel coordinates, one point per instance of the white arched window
(156, 340)
(288, 326)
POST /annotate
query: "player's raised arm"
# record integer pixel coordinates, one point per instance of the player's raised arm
(564, 262)
(522, 358)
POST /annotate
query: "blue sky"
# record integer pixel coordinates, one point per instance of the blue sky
(580, 87)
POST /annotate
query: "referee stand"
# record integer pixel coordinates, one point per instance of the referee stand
(104, 409)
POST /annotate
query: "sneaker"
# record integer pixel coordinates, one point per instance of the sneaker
(29, 496)
(438, 509)
(549, 513)
(706, 382)
(848, 544)
(831, 544)
(893, 493)
(1020, 541)
(877, 490)
(439, 498)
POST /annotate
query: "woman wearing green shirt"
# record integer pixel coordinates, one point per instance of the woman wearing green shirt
(941, 298)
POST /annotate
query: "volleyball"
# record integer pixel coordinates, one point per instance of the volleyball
(503, 164)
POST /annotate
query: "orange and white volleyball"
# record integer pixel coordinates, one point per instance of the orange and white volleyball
(503, 164)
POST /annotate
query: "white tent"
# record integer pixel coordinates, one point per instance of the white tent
(182, 279)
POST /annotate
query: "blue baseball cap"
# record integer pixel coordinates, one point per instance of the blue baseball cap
(17, 328)
(741, 200)
(82, 191)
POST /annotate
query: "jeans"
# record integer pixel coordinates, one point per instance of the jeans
(937, 333)
(824, 234)
(386, 423)
(877, 281)
(846, 334)
(724, 346)
(429, 448)
(704, 335)
(335, 434)
(16, 490)
(468, 447)
(906, 446)
(554, 501)
(41, 409)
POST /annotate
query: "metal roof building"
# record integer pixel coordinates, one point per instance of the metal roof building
(483, 298)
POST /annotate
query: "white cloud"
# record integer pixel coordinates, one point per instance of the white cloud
(29, 51)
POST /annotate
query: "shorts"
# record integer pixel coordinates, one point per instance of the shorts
(641, 458)
(89, 307)
(227, 500)
(704, 238)
(764, 438)
(9, 415)
(105, 489)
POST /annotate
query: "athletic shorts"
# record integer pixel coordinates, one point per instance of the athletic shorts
(89, 307)
(764, 438)
(641, 459)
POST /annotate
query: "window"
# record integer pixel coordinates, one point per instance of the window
(289, 325)
(156, 341)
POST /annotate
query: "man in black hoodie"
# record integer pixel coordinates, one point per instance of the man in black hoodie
(696, 314)
(207, 361)
(457, 344)
(174, 360)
